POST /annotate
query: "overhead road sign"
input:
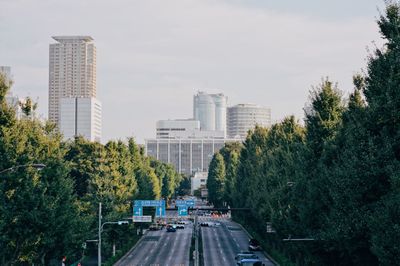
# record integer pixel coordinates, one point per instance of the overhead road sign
(142, 219)
(182, 211)
(160, 211)
(149, 203)
(139, 204)
(137, 211)
(187, 203)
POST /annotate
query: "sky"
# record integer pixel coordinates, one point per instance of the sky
(154, 55)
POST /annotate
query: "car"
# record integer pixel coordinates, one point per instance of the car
(180, 226)
(154, 227)
(250, 262)
(245, 255)
(171, 228)
(254, 245)
(204, 224)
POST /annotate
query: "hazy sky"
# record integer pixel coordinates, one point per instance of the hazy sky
(153, 55)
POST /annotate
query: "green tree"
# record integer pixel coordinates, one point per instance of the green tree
(38, 213)
(169, 178)
(216, 180)
(230, 178)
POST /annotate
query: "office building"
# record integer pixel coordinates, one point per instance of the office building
(176, 128)
(72, 71)
(184, 129)
(187, 155)
(80, 117)
(210, 110)
(243, 117)
(73, 106)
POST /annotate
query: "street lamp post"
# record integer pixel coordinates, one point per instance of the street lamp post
(101, 226)
(37, 166)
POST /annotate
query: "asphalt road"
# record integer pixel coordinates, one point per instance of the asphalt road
(161, 248)
(222, 243)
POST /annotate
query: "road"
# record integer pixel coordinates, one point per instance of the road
(222, 243)
(161, 248)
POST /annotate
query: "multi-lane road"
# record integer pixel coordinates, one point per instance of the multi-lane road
(161, 248)
(223, 241)
(220, 244)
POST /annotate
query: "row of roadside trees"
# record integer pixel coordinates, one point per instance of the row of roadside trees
(335, 180)
(48, 214)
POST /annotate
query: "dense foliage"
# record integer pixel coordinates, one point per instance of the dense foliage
(332, 184)
(47, 214)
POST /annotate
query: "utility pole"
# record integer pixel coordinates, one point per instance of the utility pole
(99, 243)
(196, 243)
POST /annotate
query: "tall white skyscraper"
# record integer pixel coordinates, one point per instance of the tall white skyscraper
(72, 71)
(210, 110)
(243, 117)
(72, 75)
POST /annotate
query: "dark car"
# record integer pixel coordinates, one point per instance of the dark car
(254, 245)
(204, 224)
(154, 227)
(171, 229)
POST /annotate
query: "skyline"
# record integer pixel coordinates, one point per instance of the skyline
(150, 52)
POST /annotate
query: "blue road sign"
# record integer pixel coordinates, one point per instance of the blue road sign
(149, 203)
(190, 203)
(137, 211)
(187, 203)
(160, 211)
(182, 211)
(180, 202)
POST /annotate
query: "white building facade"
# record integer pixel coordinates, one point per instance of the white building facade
(166, 129)
(80, 117)
(198, 181)
(243, 117)
(73, 106)
(187, 155)
(184, 129)
(210, 110)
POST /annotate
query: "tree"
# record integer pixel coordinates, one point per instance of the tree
(7, 113)
(216, 180)
(37, 209)
(230, 178)
(169, 178)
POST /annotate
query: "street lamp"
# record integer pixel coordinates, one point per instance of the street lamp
(37, 166)
(101, 226)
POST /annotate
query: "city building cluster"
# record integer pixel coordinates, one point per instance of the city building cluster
(188, 144)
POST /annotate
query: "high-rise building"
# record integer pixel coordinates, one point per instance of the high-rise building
(80, 117)
(6, 70)
(72, 87)
(72, 71)
(243, 117)
(210, 110)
